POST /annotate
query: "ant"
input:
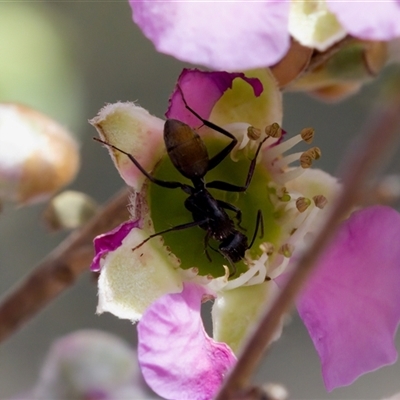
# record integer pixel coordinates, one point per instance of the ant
(189, 156)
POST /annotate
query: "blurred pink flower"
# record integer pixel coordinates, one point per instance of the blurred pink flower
(241, 36)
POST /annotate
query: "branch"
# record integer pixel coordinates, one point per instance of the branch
(60, 269)
(381, 133)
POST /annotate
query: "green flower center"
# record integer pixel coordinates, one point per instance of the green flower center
(168, 210)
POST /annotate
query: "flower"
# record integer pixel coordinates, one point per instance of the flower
(236, 36)
(130, 281)
(165, 279)
(89, 364)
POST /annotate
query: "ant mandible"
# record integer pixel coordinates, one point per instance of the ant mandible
(189, 156)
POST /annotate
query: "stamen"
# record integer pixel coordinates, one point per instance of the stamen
(287, 176)
(273, 130)
(307, 134)
(287, 160)
(315, 153)
(305, 226)
(299, 219)
(306, 160)
(267, 248)
(302, 204)
(286, 250)
(261, 276)
(283, 194)
(320, 201)
(253, 133)
(239, 130)
(279, 149)
(246, 276)
(278, 266)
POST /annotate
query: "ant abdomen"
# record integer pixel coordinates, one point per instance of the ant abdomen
(186, 149)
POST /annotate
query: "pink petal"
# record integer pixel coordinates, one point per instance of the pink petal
(219, 35)
(372, 20)
(351, 305)
(110, 241)
(202, 89)
(178, 359)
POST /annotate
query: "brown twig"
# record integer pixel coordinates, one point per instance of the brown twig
(381, 133)
(60, 269)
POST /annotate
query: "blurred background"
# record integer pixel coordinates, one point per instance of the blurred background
(68, 59)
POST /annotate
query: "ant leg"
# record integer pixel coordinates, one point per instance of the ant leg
(219, 157)
(174, 228)
(166, 184)
(206, 240)
(233, 208)
(259, 224)
(229, 187)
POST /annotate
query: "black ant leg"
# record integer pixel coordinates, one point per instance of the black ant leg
(166, 184)
(174, 228)
(233, 208)
(259, 224)
(229, 187)
(206, 240)
(219, 157)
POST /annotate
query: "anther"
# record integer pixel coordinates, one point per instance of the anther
(253, 133)
(267, 248)
(273, 130)
(320, 201)
(315, 153)
(286, 250)
(283, 194)
(307, 134)
(309, 156)
(306, 160)
(302, 203)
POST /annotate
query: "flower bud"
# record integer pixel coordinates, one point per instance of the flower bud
(37, 155)
(89, 364)
(344, 72)
(69, 210)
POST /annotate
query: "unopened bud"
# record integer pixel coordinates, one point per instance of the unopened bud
(37, 155)
(69, 210)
